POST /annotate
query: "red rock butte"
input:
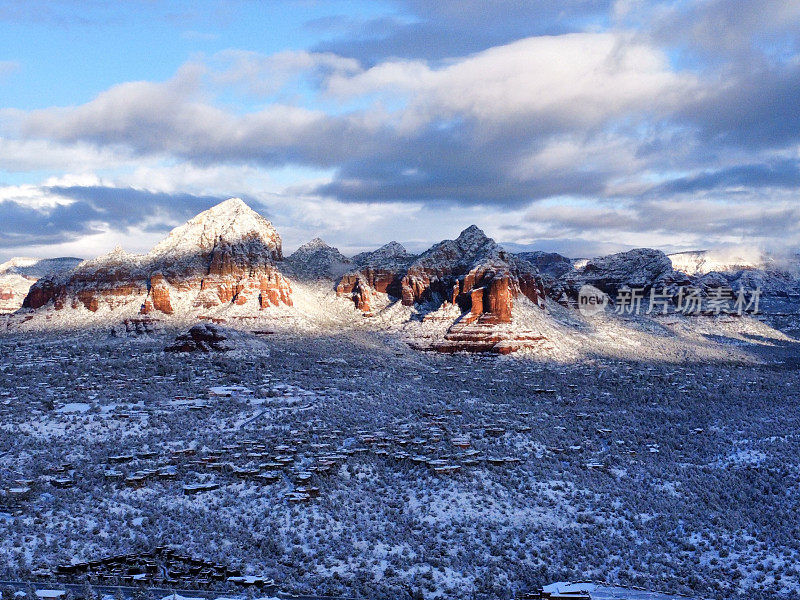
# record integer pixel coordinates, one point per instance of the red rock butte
(230, 256)
(224, 255)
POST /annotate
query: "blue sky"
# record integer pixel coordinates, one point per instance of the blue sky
(580, 126)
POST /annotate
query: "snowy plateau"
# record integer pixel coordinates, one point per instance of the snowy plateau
(215, 419)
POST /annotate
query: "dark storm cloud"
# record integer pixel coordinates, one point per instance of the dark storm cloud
(23, 225)
(690, 216)
(451, 141)
(94, 209)
(452, 166)
(783, 174)
(705, 90)
(751, 107)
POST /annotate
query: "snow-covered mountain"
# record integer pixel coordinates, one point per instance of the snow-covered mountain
(700, 262)
(741, 268)
(36, 268)
(230, 223)
(18, 274)
(393, 253)
(225, 255)
(226, 265)
(317, 260)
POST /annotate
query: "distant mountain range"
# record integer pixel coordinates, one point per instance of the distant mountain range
(227, 264)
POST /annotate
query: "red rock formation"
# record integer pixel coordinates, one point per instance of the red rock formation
(481, 291)
(274, 290)
(531, 287)
(224, 255)
(89, 300)
(358, 290)
(500, 299)
(43, 292)
(361, 297)
(483, 336)
(159, 298)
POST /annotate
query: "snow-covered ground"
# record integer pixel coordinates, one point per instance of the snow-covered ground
(450, 476)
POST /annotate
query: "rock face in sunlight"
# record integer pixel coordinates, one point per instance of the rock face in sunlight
(19, 274)
(471, 272)
(485, 336)
(468, 294)
(225, 255)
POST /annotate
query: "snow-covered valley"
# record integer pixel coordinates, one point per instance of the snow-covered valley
(353, 465)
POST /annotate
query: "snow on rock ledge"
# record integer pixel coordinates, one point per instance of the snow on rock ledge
(224, 255)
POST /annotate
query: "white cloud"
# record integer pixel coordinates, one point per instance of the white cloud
(570, 81)
(262, 75)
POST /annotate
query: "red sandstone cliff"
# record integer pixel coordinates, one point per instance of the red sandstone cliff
(227, 254)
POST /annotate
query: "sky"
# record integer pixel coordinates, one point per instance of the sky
(578, 126)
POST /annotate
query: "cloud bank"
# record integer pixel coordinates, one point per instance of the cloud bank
(612, 121)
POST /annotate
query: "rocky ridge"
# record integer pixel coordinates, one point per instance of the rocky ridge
(471, 271)
(225, 255)
(227, 264)
(316, 260)
(18, 274)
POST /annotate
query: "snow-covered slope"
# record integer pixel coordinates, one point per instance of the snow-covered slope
(36, 268)
(224, 255)
(316, 260)
(741, 268)
(639, 268)
(700, 262)
(231, 222)
(389, 255)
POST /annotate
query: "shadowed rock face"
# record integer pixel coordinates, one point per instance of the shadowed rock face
(316, 260)
(227, 254)
(200, 338)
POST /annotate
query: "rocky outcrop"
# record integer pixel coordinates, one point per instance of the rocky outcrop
(389, 256)
(18, 275)
(136, 327)
(317, 260)
(642, 268)
(486, 337)
(225, 255)
(159, 297)
(357, 289)
(549, 264)
(201, 338)
(360, 285)
(472, 272)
